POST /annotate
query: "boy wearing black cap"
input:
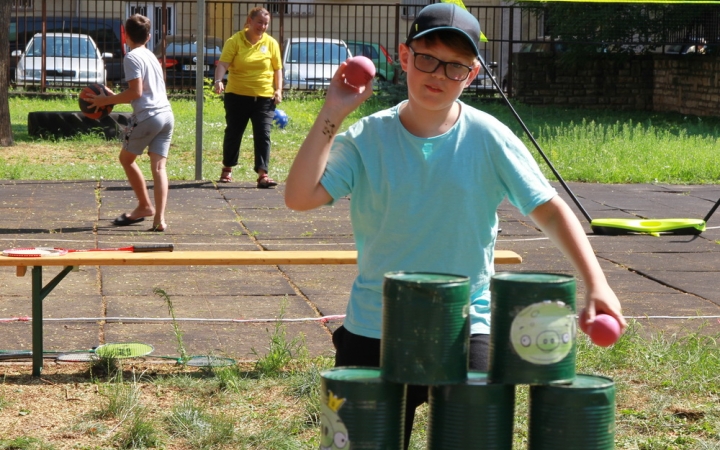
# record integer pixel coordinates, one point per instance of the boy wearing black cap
(426, 178)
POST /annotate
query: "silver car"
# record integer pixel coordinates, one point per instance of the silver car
(70, 60)
(310, 63)
(484, 81)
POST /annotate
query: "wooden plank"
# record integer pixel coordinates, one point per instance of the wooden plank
(507, 257)
(208, 258)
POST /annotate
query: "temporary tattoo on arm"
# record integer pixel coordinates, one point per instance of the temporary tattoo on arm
(329, 129)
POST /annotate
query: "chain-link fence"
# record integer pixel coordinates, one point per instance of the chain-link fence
(572, 31)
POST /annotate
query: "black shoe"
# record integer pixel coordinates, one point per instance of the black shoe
(124, 220)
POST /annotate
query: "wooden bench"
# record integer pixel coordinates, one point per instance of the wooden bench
(71, 261)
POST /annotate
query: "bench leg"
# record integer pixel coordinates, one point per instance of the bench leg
(37, 321)
(38, 295)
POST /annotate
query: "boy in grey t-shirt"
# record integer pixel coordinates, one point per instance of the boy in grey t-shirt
(151, 125)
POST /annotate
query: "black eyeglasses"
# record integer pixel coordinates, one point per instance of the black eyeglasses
(429, 64)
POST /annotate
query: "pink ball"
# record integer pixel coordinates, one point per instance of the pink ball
(359, 71)
(605, 330)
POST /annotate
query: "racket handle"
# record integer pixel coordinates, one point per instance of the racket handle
(153, 248)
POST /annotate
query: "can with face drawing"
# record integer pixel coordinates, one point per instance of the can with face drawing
(533, 328)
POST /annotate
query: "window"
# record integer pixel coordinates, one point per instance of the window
(274, 7)
(290, 8)
(410, 8)
(22, 4)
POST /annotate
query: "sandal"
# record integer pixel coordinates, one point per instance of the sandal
(265, 182)
(159, 228)
(226, 175)
(124, 220)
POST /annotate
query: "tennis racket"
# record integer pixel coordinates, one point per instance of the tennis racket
(80, 356)
(35, 252)
(208, 361)
(124, 350)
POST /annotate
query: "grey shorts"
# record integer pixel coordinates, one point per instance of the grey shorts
(155, 133)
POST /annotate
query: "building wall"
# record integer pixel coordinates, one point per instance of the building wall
(663, 83)
(688, 85)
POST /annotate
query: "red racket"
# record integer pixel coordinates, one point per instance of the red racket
(35, 252)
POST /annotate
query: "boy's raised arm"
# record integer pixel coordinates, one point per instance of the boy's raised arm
(303, 190)
(558, 222)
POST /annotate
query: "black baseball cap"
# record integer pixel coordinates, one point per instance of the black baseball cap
(446, 16)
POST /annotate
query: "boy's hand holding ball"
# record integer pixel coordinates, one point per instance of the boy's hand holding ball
(604, 331)
(359, 71)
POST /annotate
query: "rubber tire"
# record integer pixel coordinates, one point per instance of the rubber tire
(61, 124)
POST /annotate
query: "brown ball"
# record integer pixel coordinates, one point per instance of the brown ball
(92, 112)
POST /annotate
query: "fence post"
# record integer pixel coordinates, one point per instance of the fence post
(396, 75)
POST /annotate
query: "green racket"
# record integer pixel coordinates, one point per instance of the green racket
(124, 350)
(648, 226)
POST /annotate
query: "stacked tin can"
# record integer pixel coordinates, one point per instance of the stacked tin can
(533, 342)
(425, 341)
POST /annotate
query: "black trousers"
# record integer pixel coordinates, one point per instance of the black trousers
(239, 110)
(354, 350)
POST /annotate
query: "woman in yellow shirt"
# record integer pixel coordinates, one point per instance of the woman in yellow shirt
(254, 87)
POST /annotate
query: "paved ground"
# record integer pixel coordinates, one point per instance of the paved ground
(654, 276)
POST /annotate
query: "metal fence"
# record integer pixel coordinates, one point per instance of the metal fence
(376, 30)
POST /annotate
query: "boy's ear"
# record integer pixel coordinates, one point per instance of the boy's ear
(404, 56)
(473, 74)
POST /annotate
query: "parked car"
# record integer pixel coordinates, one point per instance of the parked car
(378, 55)
(70, 60)
(691, 45)
(483, 80)
(181, 59)
(310, 63)
(108, 34)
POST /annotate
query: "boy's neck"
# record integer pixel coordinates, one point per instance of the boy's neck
(133, 45)
(427, 124)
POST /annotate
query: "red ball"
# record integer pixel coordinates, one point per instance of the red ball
(605, 330)
(359, 71)
(90, 111)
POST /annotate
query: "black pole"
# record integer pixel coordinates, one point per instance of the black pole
(712, 210)
(537, 146)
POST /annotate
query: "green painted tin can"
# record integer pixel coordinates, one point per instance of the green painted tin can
(533, 328)
(360, 410)
(576, 416)
(426, 328)
(474, 415)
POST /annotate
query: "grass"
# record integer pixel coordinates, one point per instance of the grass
(584, 145)
(667, 396)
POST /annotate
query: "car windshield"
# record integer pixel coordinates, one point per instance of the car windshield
(364, 50)
(189, 48)
(63, 46)
(317, 53)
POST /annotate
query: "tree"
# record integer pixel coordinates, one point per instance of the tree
(6, 138)
(586, 28)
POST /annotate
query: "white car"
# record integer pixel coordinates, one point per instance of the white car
(71, 59)
(310, 63)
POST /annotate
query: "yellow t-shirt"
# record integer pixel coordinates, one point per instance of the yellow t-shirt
(252, 67)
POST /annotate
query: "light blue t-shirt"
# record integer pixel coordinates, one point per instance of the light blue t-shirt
(428, 204)
(142, 63)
